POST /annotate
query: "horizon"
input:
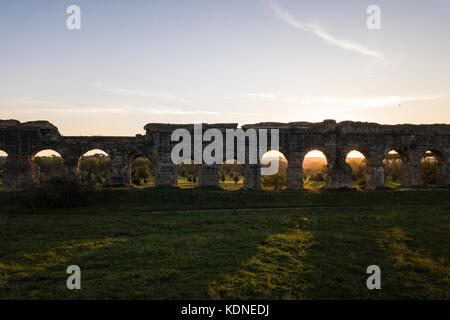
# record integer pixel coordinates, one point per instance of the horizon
(313, 154)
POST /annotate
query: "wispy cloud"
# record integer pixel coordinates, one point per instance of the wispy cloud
(34, 102)
(36, 106)
(364, 102)
(251, 114)
(250, 95)
(260, 95)
(175, 111)
(345, 44)
(136, 92)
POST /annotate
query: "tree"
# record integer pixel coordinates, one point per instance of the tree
(96, 167)
(319, 177)
(429, 171)
(275, 181)
(228, 170)
(358, 168)
(144, 173)
(135, 180)
(393, 167)
(48, 167)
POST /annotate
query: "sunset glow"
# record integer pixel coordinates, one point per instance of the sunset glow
(279, 60)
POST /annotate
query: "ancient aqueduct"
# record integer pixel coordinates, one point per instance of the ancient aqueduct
(21, 141)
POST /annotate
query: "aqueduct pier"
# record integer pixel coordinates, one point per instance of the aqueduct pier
(21, 141)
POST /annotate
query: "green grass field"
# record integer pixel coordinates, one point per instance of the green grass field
(183, 183)
(209, 244)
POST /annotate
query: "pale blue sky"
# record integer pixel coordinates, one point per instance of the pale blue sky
(135, 62)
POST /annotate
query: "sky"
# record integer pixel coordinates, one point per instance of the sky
(183, 61)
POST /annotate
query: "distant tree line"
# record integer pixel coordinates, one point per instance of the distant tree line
(393, 166)
(95, 169)
(188, 171)
(430, 170)
(233, 171)
(142, 171)
(276, 181)
(358, 166)
(314, 170)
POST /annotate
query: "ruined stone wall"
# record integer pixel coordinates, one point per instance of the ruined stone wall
(21, 141)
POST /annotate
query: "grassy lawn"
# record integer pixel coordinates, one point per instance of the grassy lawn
(183, 183)
(314, 185)
(231, 185)
(158, 244)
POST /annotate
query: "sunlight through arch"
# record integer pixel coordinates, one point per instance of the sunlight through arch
(142, 172)
(46, 165)
(431, 169)
(393, 167)
(314, 168)
(357, 162)
(94, 167)
(231, 176)
(278, 180)
(188, 175)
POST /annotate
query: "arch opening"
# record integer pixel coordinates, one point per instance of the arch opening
(314, 168)
(188, 175)
(3, 157)
(94, 167)
(46, 165)
(431, 169)
(277, 181)
(357, 162)
(231, 176)
(393, 167)
(142, 172)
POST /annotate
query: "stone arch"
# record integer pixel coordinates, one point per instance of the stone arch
(295, 165)
(357, 161)
(278, 180)
(188, 174)
(325, 152)
(47, 153)
(231, 175)
(46, 164)
(432, 168)
(393, 168)
(142, 170)
(94, 151)
(94, 167)
(314, 169)
(3, 159)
